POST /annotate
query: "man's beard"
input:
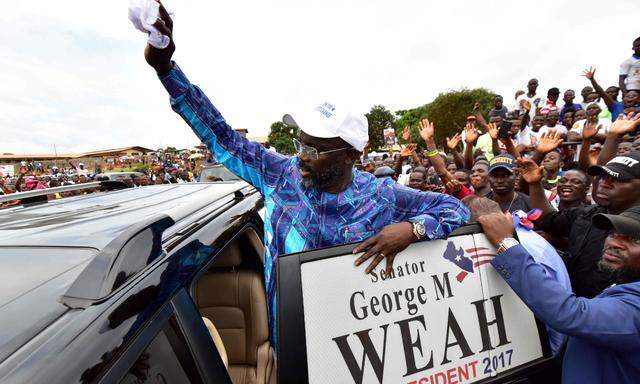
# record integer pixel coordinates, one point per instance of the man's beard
(622, 274)
(322, 180)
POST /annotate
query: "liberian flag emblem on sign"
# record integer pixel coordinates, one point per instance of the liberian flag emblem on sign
(467, 259)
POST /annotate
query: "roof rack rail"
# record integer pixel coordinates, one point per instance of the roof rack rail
(122, 258)
(108, 185)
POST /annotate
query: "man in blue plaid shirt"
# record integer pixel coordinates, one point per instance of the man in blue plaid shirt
(315, 199)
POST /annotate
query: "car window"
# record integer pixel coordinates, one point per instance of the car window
(217, 174)
(166, 360)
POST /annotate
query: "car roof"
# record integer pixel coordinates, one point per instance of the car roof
(94, 220)
(33, 280)
(45, 248)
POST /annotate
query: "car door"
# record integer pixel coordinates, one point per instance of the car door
(174, 347)
(442, 316)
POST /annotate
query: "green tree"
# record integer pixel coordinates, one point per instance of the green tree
(379, 118)
(281, 137)
(409, 120)
(448, 112)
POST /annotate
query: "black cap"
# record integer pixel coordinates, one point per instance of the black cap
(553, 91)
(621, 168)
(627, 223)
(506, 161)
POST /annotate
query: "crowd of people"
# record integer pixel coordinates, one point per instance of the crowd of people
(555, 187)
(158, 168)
(571, 160)
(563, 174)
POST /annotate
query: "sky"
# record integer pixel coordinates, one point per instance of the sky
(74, 77)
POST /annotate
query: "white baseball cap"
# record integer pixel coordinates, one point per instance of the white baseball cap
(327, 121)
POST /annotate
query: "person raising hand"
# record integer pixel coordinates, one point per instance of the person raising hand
(315, 198)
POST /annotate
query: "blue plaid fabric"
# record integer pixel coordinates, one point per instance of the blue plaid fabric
(299, 218)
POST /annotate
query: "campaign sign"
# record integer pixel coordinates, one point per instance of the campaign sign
(443, 316)
(389, 136)
(6, 170)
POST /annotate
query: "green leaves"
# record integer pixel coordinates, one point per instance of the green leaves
(379, 118)
(448, 112)
(281, 137)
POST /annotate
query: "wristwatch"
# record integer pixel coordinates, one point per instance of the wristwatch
(507, 243)
(419, 230)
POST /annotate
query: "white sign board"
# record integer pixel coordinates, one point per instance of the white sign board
(6, 170)
(445, 316)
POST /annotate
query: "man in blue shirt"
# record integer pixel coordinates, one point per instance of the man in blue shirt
(568, 97)
(315, 199)
(604, 332)
(630, 99)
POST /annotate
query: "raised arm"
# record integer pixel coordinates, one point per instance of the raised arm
(406, 152)
(452, 144)
(532, 174)
(511, 149)
(249, 160)
(622, 126)
(590, 74)
(453, 186)
(470, 137)
(589, 131)
(427, 132)
(493, 133)
(440, 213)
(548, 142)
(608, 321)
(479, 118)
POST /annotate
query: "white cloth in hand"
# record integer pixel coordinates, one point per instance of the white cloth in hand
(143, 14)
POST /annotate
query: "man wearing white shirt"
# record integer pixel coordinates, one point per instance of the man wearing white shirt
(534, 100)
(552, 123)
(593, 110)
(630, 70)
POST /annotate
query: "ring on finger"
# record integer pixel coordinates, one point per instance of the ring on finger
(380, 254)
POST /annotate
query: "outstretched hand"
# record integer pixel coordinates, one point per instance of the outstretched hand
(625, 124)
(549, 141)
(530, 171)
(427, 130)
(493, 130)
(390, 241)
(470, 134)
(590, 129)
(453, 142)
(160, 59)
(589, 73)
(408, 150)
